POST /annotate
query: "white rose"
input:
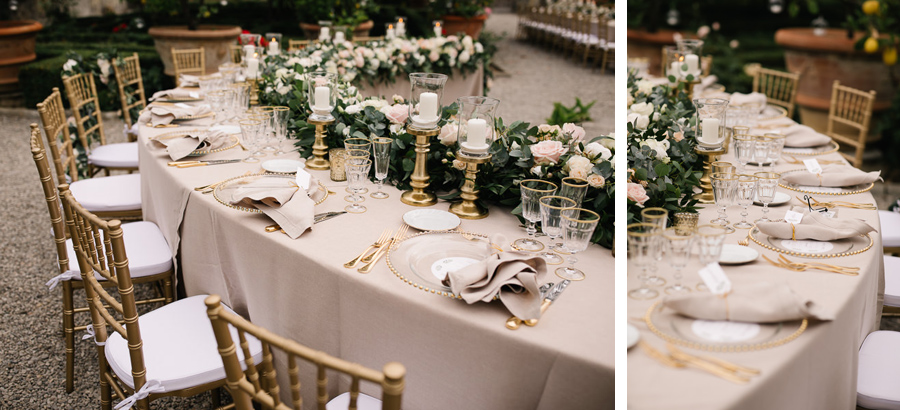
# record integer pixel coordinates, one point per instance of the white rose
(537, 171)
(578, 173)
(479, 48)
(69, 65)
(577, 162)
(464, 57)
(448, 134)
(346, 131)
(281, 72)
(640, 121)
(292, 61)
(104, 66)
(283, 90)
(642, 108)
(374, 62)
(609, 143)
(645, 86)
(353, 109)
(467, 42)
(595, 150)
(595, 180)
(630, 100)
(396, 128)
(350, 76)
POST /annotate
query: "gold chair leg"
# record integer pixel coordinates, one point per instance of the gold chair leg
(69, 334)
(890, 311)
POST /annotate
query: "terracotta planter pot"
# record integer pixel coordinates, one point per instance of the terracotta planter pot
(643, 44)
(312, 30)
(471, 26)
(17, 39)
(216, 41)
(822, 59)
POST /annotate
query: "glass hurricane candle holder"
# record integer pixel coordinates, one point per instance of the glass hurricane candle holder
(389, 31)
(322, 95)
(425, 95)
(324, 30)
(274, 46)
(710, 126)
(691, 50)
(438, 26)
(400, 26)
(672, 61)
(476, 125)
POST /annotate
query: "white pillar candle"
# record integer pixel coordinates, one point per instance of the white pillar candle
(710, 131)
(249, 49)
(274, 50)
(390, 32)
(325, 34)
(252, 67)
(401, 28)
(437, 30)
(339, 37)
(428, 106)
(675, 70)
(323, 97)
(693, 64)
(475, 136)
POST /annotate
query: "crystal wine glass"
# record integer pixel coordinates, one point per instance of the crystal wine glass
(280, 115)
(642, 243)
(362, 144)
(532, 191)
(262, 136)
(658, 217)
(767, 182)
(357, 168)
(776, 145)
(578, 227)
(745, 191)
(381, 146)
(723, 190)
(678, 243)
(760, 151)
(743, 150)
(269, 137)
(249, 134)
(709, 243)
(218, 104)
(574, 189)
(552, 208)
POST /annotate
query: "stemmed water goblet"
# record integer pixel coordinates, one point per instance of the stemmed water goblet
(776, 146)
(381, 147)
(766, 185)
(249, 134)
(262, 136)
(357, 165)
(709, 243)
(532, 192)
(723, 185)
(280, 116)
(642, 244)
(362, 144)
(745, 191)
(574, 189)
(743, 150)
(658, 217)
(760, 151)
(678, 244)
(269, 138)
(552, 209)
(218, 104)
(578, 226)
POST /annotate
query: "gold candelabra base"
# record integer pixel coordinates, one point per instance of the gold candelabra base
(709, 155)
(468, 208)
(320, 148)
(417, 196)
(254, 91)
(689, 87)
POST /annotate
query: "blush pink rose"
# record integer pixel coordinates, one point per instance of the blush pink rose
(574, 132)
(637, 194)
(546, 152)
(398, 113)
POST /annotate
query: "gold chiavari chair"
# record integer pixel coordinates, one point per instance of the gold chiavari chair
(112, 197)
(848, 119)
(294, 45)
(82, 95)
(363, 40)
(151, 257)
(168, 351)
(706, 63)
(131, 89)
(779, 87)
(236, 53)
(188, 61)
(246, 387)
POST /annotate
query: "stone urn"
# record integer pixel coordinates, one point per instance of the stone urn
(469, 25)
(17, 40)
(311, 31)
(216, 41)
(822, 59)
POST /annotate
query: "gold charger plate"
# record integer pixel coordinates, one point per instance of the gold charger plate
(415, 258)
(772, 112)
(812, 151)
(842, 247)
(676, 329)
(195, 117)
(848, 190)
(223, 192)
(176, 100)
(204, 148)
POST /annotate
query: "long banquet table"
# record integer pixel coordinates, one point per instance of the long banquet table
(815, 371)
(456, 355)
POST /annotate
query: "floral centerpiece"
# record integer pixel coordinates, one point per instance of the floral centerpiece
(663, 169)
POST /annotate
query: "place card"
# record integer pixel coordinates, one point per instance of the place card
(822, 189)
(714, 278)
(441, 268)
(302, 178)
(807, 246)
(724, 331)
(812, 165)
(793, 217)
(194, 94)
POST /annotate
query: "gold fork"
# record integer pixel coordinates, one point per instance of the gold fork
(834, 204)
(735, 368)
(827, 265)
(794, 160)
(378, 244)
(679, 360)
(401, 233)
(745, 241)
(800, 267)
(215, 184)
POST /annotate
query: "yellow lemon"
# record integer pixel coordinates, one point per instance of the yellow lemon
(871, 45)
(870, 7)
(889, 56)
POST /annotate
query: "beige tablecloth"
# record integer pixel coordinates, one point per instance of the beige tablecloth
(457, 355)
(815, 371)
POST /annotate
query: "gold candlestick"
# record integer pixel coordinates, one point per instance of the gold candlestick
(710, 155)
(254, 91)
(320, 148)
(420, 180)
(689, 85)
(468, 208)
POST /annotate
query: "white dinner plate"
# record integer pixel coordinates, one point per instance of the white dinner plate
(737, 254)
(431, 220)
(781, 198)
(282, 166)
(633, 336)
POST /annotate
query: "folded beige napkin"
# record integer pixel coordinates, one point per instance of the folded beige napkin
(181, 146)
(802, 136)
(705, 82)
(176, 94)
(817, 227)
(281, 200)
(833, 176)
(515, 275)
(760, 302)
(741, 99)
(773, 125)
(165, 114)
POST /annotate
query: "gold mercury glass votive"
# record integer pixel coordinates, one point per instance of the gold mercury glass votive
(686, 222)
(337, 157)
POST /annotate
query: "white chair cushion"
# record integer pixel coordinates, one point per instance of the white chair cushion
(112, 193)
(180, 348)
(147, 250)
(123, 155)
(891, 281)
(879, 370)
(363, 402)
(890, 228)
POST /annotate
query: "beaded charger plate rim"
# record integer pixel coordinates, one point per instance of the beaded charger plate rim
(855, 189)
(760, 239)
(781, 112)
(217, 191)
(194, 117)
(830, 148)
(200, 151)
(391, 256)
(176, 100)
(653, 323)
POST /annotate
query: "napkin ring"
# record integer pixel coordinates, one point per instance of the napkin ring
(724, 297)
(793, 232)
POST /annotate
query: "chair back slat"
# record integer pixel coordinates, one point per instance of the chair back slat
(852, 110)
(294, 45)
(269, 374)
(779, 87)
(56, 129)
(131, 88)
(82, 95)
(244, 392)
(188, 61)
(51, 197)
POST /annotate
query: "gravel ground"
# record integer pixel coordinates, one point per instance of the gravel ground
(32, 360)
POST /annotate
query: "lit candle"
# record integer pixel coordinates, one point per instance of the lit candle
(325, 34)
(710, 131)
(693, 64)
(401, 28)
(339, 37)
(428, 106)
(475, 135)
(249, 49)
(437, 29)
(390, 32)
(674, 70)
(323, 97)
(274, 50)
(252, 67)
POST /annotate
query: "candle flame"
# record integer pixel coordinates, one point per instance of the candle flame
(273, 40)
(255, 55)
(400, 20)
(390, 26)
(438, 24)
